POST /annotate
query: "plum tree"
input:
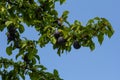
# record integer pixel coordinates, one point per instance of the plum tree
(42, 15)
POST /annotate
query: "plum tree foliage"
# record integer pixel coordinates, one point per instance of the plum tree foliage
(42, 15)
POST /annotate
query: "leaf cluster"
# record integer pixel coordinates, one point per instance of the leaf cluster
(43, 16)
(20, 69)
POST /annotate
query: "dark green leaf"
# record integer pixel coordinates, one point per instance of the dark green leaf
(62, 1)
(21, 52)
(65, 15)
(54, 12)
(91, 21)
(92, 46)
(97, 18)
(9, 50)
(0, 65)
(2, 27)
(6, 65)
(110, 31)
(33, 61)
(34, 76)
(30, 56)
(22, 76)
(100, 38)
(38, 58)
(21, 28)
(59, 52)
(55, 72)
(42, 67)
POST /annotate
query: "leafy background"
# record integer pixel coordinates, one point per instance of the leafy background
(102, 63)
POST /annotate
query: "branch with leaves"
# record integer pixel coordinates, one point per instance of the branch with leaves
(43, 16)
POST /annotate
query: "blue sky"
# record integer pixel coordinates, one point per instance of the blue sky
(101, 64)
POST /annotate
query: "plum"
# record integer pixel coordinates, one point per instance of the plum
(56, 34)
(76, 44)
(10, 36)
(61, 40)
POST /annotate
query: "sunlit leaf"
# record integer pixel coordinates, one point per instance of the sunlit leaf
(53, 40)
(7, 23)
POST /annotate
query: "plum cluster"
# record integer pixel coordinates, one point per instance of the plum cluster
(61, 40)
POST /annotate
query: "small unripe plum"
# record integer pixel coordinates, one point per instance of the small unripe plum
(56, 34)
(61, 40)
(76, 44)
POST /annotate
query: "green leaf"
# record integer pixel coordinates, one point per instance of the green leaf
(65, 15)
(22, 75)
(77, 22)
(38, 58)
(24, 44)
(92, 46)
(30, 56)
(91, 21)
(34, 76)
(42, 67)
(53, 40)
(59, 52)
(33, 61)
(109, 33)
(7, 23)
(9, 50)
(68, 48)
(100, 38)
(2, 27)
(62, 1)
(54, 12)
(97, 18)
(55, 72)
(6, 65)
(0, 65)
(21, 52)
(21, 28)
